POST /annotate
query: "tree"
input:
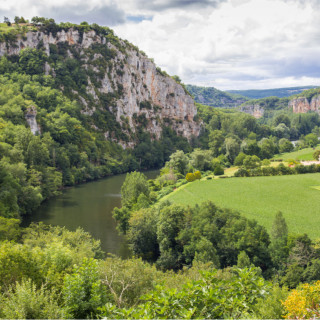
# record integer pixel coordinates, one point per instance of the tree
(170, 223)
(243, 260)
(285, 145)
(201, 159)
(251, 162)
(7, 21)
(83, 292)
(32, 61)
(279, 237)
(316, 155)
(311, 140)
(267, 148)
(178, 162)
(238, 161)
(232, 148)
(142, 234)
(134, 184)
(9, 229)
(282, 118)
(216, 140)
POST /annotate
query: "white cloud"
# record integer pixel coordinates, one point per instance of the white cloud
(230, 44)
(241, 44)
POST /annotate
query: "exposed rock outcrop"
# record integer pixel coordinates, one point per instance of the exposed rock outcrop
(30, 116)
(254, 109)
(302, 105)
(145, 91)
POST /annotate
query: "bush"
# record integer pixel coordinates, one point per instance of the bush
(316, 155)
(190, 177)
(197, 175)
(242, 173)
(218, 170)
(303, 302)
(25, 301)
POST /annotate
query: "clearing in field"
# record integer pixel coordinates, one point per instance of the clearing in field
(260, 198)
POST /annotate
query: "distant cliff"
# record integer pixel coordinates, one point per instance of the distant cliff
(306, 101)
(303, 105)
(254, 109)
(118, 78)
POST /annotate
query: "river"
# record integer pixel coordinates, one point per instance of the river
(89, 206)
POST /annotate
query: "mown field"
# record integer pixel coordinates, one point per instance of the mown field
(297, 197)
(304, 154)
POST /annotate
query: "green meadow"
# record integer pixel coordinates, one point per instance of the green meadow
(303, 154)
(259, 198)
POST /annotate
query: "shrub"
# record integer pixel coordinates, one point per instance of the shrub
(242, 173)
(218, 170)
(25, 301)
(197, 175)
(303, 302)
(190, 177)
(316, 155)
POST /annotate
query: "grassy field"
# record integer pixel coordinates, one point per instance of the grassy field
(259, 198)
(304, 154)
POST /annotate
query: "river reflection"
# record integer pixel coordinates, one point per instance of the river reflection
(89, 206)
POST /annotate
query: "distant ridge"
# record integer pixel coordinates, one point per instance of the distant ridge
(213, 97)
(264, 93)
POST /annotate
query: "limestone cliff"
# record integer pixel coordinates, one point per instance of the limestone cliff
(254, 109)
(31, 120)
(120, 79)
(302, 105)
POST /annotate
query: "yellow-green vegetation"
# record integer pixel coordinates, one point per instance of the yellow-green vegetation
(260, 198)
(303, 154)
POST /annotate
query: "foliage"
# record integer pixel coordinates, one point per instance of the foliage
(316, 155)
(178, 162)
(83, 292)
(214, 97)
(126, 280)
(190, 177)
(25, 301)
(9, 229)
(209, 297)
(303, 302)
(197, 175)
(134, 185)
(218, 170)
(311, 140)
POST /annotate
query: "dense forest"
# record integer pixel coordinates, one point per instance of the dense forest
(201, 261)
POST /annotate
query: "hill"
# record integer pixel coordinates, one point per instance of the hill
(279, 92)
(215, 98)
(74, 101)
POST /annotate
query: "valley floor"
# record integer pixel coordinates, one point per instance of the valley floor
(260, 198)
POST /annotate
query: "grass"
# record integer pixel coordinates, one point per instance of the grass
(260, 198)
(304, 154)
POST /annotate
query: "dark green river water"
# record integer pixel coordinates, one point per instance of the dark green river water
(89, 206)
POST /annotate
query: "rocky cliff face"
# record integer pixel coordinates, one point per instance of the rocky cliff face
(144, 95)
(302, 105)
(30, 116)
(254, 109)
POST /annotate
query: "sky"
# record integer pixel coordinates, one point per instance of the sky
(226, 44)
